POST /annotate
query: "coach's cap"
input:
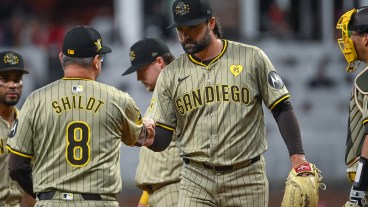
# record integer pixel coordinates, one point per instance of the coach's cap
(83, 42)
(190, 12)
(11, 61)
(144, 52)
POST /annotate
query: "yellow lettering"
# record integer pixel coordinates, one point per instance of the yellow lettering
(91, 102)
(66, 103)
(56, 107)
(225, 93)
(235, 93)
(179, 106)
(100, 103)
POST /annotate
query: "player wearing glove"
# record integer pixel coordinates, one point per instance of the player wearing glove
(302, 186)
(354, 45)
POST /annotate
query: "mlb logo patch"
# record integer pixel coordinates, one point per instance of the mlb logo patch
(77, 88)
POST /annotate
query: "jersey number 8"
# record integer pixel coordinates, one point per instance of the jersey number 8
(77, 147)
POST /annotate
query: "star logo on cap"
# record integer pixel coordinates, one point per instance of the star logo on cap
(11, 59)
(182, 9)
(98, 45)
(132, 55)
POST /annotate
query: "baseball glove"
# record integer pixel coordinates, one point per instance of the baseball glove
(302, 186)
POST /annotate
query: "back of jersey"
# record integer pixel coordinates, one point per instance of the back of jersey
(73, 129)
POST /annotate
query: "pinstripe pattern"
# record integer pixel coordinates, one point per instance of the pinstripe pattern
(226, 132)
(356, 128)
(73, 129)
(167, 196)
(245, 187)
(216, 111)
(159, 169)
(10, 192)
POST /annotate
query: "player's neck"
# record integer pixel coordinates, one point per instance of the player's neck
(212, 51)
(8, 113)
(74, 71)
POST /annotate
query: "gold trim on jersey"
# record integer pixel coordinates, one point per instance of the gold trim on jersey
(18, 153)
(216, 58)
(365, 121)
(278, 101)
(165, 127)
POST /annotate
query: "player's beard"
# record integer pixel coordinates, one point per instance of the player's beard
(191, 47)
(9, 101)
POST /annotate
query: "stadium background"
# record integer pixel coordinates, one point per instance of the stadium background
(299, 37)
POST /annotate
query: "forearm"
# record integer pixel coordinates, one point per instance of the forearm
(162, 139)
(21, 171)
(289, 128)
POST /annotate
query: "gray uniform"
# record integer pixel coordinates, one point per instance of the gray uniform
(216, 111)
(72, 129)
(10, 192)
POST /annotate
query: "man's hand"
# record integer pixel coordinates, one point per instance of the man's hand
(150, 125)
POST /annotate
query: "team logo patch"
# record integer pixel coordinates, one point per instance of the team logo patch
(132, 55)
(236, 69)
(77, 88)
(11, 59)
(98, 44)
(275, 80)
(182, 9)
(13, 130)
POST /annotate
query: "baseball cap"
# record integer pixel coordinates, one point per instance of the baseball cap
(144, 52)
(83, 42)
(190, 12)
(11, 61)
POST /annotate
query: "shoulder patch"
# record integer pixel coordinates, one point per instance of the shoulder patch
(361, 82)
(13, 131)
(275, 80)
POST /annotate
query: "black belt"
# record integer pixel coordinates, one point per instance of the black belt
(85, 196)
(224, 168)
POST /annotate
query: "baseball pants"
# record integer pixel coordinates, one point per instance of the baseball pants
(166, 196)
(243, 187)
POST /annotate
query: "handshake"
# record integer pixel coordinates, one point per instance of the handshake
(147, 135)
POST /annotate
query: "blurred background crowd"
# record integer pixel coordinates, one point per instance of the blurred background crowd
(299, 36)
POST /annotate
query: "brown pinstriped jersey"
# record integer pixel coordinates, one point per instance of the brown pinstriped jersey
(10, 191)
(158, 167)
(358, 115)
(216, 109)
(72, 129)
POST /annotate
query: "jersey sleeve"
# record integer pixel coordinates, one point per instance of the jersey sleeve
(271, 86)
(132, 125)
(20, 137)
(161, 108)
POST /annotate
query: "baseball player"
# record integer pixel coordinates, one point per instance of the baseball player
(212, 97)
(354, 45)
(11, 74)
(157, 173)
(71, 130)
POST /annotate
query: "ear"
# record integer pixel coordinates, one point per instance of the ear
(60, 56)
(161, 62)
(212, 23)
(95, 62)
